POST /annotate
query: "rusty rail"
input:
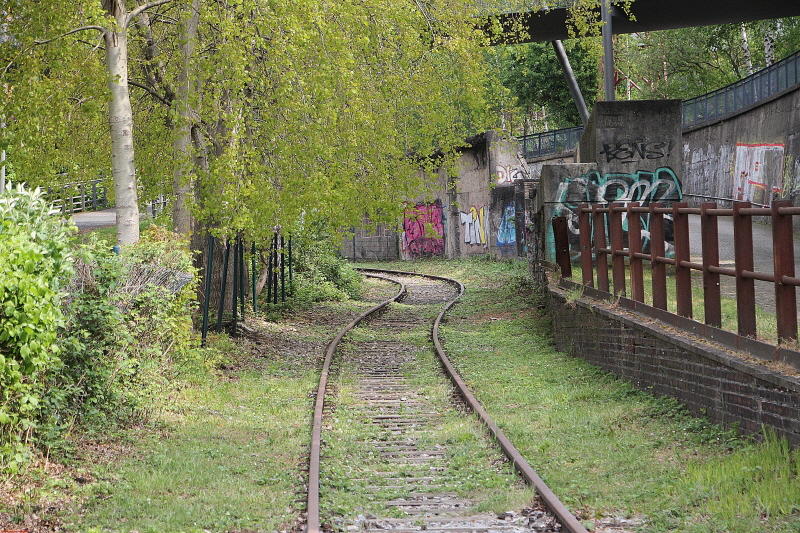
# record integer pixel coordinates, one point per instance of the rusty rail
(553, 504)
(312, 511)
(595, 255)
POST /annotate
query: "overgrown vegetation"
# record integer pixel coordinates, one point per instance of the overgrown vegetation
(226, 451)
(320, 275)
(36, 261)
(88, 338)
(324, 276)
(605, 448)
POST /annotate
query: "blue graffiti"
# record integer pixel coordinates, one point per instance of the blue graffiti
(507, 232)
(645, 187)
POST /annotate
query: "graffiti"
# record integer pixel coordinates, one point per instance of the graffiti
(644, 187)
(474, 224)
(507, 174)
(758, 167)
(631, 151)
(423, 230)
(790, 184)
(507, 231)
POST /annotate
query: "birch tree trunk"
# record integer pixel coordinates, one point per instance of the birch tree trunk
(182, 184)
(769, 42)
(120, 119)
(748, 59)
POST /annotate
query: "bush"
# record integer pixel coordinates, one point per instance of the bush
(129, 323)
(34, 245)
(103, 351)
(322, 275)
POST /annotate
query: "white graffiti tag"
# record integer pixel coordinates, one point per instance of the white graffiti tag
(474, 228)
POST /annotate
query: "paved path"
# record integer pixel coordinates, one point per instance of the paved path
(762, 257)
(92, 220)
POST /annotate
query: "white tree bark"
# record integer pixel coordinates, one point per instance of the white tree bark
(120, 119)
(748, 59)
(182, 184)
(769, 42)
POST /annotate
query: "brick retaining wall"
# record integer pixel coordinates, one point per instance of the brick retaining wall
(708, 380)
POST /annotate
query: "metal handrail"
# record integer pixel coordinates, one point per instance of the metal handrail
(550, 142)
(715, 105)
(750, 90)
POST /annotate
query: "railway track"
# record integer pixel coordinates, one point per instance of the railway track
(396, 445)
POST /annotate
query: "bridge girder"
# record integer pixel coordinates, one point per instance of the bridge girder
(650, 15)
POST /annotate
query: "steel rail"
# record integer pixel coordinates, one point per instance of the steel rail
(551, 501)
(312, 510)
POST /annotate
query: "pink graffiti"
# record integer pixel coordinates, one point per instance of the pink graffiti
(423, 230)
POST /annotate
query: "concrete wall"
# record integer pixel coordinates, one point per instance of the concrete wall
(371, 242)
(752, 156)
(562, 188)
(479, 211)
(629, 152)
(631, 138)
(708, 380)
(563, 158)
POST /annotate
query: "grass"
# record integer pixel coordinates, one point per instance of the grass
(229, 454)
(605, 448)
(761, 480)
(766, 325)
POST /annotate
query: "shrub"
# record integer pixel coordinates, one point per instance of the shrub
(322, 275)
(129, 322)
(34, 245)
(104, 350)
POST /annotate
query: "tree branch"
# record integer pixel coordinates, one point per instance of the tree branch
(151, 91)
(426, 17)
(135, 13)
(76, 30)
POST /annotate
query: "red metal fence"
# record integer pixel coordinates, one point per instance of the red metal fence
(596, 255)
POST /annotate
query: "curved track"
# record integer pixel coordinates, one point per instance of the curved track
(412, 478)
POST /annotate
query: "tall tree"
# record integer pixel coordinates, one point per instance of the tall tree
(296, 110)
(532, 74)
(688, 62)
(111, 19)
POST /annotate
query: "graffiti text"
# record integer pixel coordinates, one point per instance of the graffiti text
(423, 230)
(474, 224)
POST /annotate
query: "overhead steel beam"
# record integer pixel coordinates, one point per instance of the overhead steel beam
(572, 83)
(649, 15)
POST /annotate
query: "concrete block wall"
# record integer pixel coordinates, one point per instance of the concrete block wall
(708, 380)
(371, 242)
(480, 211)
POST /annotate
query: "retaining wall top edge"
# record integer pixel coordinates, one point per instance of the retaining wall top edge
(702, 347)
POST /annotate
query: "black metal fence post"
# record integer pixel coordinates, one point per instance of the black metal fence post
(291, 268)
(222, 287)
(242, 276)
(207, 292)
(283, 271)
(236, 281)
(269, 273)
(253, 268)
(275, 272)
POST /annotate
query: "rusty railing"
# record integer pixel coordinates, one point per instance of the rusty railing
(596, 255)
